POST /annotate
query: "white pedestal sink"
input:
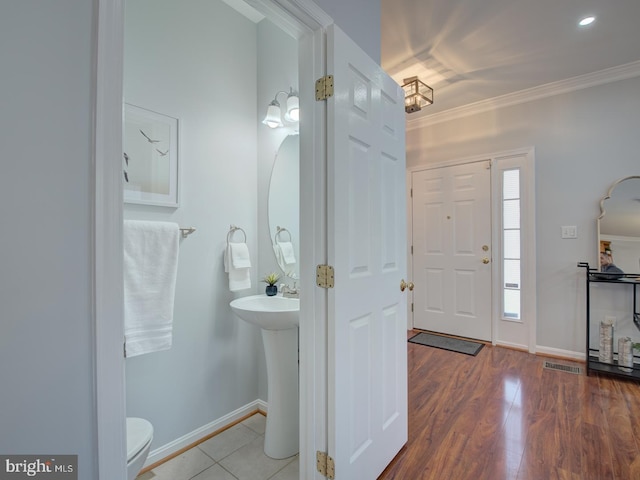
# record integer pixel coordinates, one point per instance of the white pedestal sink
(278, 317)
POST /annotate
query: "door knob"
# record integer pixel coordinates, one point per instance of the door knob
(485, 260)
(404, 285)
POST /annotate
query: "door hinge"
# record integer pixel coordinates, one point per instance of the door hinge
(325, 464)
(324, 276)
(411, 249)
(412, 308)
(324, 87)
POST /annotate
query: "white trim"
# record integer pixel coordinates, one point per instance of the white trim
(198, 434)
(108, 300)
(512, 345)
(313, 251)
(295, 17)
(449, 163)
(307, 12)
(557, 352)
(602, 77)
(530, 302)
(409, 181)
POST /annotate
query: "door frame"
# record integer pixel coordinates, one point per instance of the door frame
(308, 22)
(525, 156)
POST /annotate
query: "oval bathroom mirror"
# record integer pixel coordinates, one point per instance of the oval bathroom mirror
(619, 224)
(284, 206)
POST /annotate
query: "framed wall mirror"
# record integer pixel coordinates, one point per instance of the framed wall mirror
(619, 224)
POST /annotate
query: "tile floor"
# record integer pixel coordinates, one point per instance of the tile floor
(235, 454)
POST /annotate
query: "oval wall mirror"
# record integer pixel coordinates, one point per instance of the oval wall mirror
(284, 206)
(619, 224)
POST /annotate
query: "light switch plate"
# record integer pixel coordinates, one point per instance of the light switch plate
(570, 232)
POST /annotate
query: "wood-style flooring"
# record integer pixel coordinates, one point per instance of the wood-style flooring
(502, 416)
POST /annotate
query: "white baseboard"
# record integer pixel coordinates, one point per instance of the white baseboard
(557, 352)
(178, 444)
(515, 346)
(542, 350)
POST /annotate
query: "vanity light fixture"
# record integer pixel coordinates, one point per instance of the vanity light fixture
(273, 119)
(417, 94)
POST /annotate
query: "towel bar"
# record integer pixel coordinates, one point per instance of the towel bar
(187, 231)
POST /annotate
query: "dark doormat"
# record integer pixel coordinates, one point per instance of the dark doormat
(447, 343)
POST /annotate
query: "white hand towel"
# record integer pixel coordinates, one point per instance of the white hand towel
(278, 252)
(288, 254)
(237, 264)
(150, 271)
(239, 255)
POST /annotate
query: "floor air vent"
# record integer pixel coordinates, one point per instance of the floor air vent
(562, 368)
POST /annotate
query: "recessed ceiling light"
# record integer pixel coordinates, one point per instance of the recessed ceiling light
(586, 21)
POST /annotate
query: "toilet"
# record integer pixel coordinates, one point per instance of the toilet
(139, 436)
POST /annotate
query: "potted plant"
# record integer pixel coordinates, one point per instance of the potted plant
(271, 281)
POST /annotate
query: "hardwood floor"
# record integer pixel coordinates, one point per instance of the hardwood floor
(502, 416)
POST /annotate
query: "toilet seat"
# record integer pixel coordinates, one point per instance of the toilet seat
(139, 435)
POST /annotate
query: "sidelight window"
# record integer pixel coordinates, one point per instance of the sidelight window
(511, 258)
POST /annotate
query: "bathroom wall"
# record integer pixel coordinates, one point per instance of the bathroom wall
(196, 61)
(584, 141)
(277, 70)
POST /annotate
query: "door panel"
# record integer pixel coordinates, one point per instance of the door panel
(367, 371)
(451, 224)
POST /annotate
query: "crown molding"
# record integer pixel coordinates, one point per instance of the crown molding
(613, 74)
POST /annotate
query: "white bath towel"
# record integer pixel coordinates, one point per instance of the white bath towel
(150, 270)
(288, 254)
(237, 264)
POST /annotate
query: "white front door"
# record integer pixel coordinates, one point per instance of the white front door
(452, 250)
(367, 339)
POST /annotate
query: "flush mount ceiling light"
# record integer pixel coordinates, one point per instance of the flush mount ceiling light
(587, 21)
(273, 119)
(417, 94)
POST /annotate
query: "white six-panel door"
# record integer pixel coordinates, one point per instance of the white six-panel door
(452, 250)
(367, 352)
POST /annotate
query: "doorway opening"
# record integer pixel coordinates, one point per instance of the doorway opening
(304, 23)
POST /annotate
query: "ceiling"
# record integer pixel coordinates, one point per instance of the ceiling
(471, 51)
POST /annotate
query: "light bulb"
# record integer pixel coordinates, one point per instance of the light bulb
(293, 108)
(586, 21)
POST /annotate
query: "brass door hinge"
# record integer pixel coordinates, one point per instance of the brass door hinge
(325, 465)
(324, 276)
(324, 87)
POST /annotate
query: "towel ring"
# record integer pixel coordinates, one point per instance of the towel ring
(279, 231)
(232, 230)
